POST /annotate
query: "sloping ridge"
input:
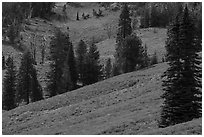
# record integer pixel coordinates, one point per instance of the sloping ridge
(125, 104)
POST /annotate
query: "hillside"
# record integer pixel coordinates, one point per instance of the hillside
(92, 28)
(126, 104)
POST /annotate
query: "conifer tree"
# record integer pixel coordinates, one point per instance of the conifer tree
(145, 57)
(154, 59)
(154, 18)
(36, 89)
(77, 16)
(108, 68)
(73, 69)
(182, 86)
(59, 47)
(92, 66)
(115, 70)
(131, 53)
(124, 30)
(9, 89)
(66, 82)
(28, 88)
(81, 52)
(146, 18)
(3, 62)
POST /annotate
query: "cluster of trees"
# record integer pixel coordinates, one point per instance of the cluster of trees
(89, 69)
(162, 14)
(66, 69)
(66, 73)
(130, 54)
(182, 80)
(20, 86)
(159, 14)
(62, 76)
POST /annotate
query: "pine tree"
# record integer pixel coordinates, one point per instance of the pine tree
(66, 82)
(146, 60)
(73, 69)
(77, 16)
(81, 52)
(36, 89)
(154, 59)
(131, 53)
(172, 75)
(28, 88)
(92, 67)
(59, 47)
(183, 78)
(146, 18)
(115, 70)
(3, 62)
(124, 30)
(108, 68)
(154, 18)
(9, 89)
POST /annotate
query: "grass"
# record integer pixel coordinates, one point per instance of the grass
(126, 104)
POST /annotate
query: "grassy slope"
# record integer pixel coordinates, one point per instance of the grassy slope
(120, 105)
(126, 104)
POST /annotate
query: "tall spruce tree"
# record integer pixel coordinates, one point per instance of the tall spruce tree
(92, 67)
(9, 88)
(3, 62)
(131, 54)
(154, 59)
(145, 56)
(73, 69)
(108, 68)
(77, 16)
(81, 52)
(59, 48)
(182, 86)
(28, 88)
(124, 30)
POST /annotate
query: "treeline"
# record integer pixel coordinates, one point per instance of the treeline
(162, 14)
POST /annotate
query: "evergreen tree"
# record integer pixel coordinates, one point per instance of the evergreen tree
(92, 67)
(81, 52)
(28, 88)
(183, 78)
(124, 25)
(154, 21)
(146, 18)
(36, 89)
(124, 30)
(115, 70)
(3, 62)
(73, 69)
(59, 48)
(9, 89)
(77, 16)
(131, 53)
(145, 62)
(108, 68)
(154, 59)
(66, 82)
